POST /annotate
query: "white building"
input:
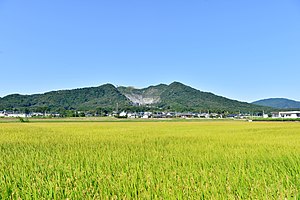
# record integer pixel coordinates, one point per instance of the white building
(147, 115)
(2, 114)
(16, 115)
(287, 114)
(132, 115)
(13, 114)
(123, 114)
(265, 115)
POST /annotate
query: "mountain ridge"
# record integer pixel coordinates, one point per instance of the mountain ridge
(175, 96)
(279, 103)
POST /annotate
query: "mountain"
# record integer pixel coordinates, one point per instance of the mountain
(280, 103)
(105, 96)
(175, 97)
(180, 97)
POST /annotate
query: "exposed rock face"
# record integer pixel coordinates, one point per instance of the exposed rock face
(145, 96)
(142, 100)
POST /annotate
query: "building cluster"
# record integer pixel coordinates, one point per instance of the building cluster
(24, 115)
(146, 115)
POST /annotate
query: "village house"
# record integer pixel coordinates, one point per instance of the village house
(13, 114)
(2, 113)
(287, 114)
(132, 115)
(123, 114)
(147, 115)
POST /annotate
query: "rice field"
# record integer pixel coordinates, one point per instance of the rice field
(150, 160)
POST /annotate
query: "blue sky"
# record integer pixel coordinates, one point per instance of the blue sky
(244, 50)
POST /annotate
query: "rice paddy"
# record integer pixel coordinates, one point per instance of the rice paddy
(150, 160)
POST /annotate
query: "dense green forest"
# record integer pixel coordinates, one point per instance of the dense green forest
(181, 97)
(93, 98)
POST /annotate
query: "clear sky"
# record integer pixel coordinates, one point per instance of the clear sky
(241, 49)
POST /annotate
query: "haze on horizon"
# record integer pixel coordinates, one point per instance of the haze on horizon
(243, 50)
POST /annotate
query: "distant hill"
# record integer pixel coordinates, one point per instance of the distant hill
(180, 97)
(280, 103)
(176, 97)
(105, 96)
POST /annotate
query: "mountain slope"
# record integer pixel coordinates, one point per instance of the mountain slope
(180, 96)
(176, 97)
(105, 96)
(280, 103)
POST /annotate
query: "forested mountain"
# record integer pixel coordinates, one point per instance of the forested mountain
(173, 97)
(105, 96)
(180, 97)
(280, 103)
